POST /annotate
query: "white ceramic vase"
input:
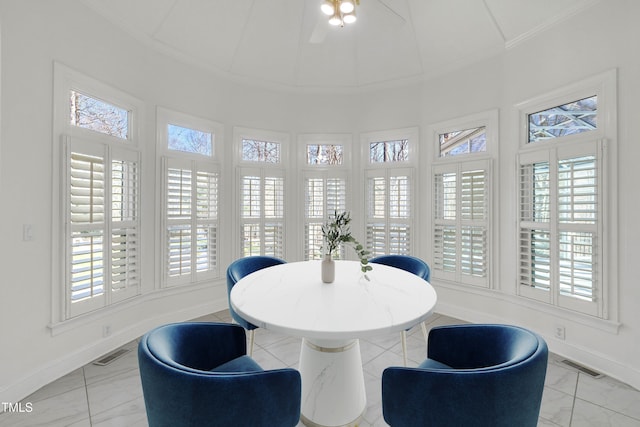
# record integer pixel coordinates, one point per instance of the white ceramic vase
(328, 267)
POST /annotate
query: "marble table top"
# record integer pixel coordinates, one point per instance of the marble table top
(292, 299)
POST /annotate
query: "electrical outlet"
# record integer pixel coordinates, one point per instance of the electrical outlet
(106, 330)
(559, 332)
(27, 232)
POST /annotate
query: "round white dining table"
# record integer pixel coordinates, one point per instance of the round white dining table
(330, 317)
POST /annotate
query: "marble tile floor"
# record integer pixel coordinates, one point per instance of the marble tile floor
(111, 395)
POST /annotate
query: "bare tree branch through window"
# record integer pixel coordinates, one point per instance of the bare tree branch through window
(97, 115)
(389, 151)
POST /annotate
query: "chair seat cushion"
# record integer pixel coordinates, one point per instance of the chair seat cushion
(433, 364)
(239, 364)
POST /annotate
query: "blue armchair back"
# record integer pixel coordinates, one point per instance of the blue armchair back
(405, 262)
(474, 375)
(243, 267)
(198, 374)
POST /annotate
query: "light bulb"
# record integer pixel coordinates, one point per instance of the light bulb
(327, 7)
(335, 19)
(347, 6)
(349, 18)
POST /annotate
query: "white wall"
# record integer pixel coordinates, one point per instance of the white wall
(37, 32)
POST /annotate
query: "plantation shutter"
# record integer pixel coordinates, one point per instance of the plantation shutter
(461, 219)
(578, 216)
(179, 192)
(445, 228)
(535, 223)
(274, 216)
(102, 225)
(262, 212)
(314, 215)
(323, 197)
(559, 224)
(389, 211)
(86, 222)
(191, 203)
(399, 213)
(376, 213)
(125, 224)
(250, 214)
(336, 189)
(473, 223)
(206, 221)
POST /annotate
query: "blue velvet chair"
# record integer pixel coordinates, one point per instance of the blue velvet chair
(474, 375)
(412, 265)
(198, 374)
(236, 271)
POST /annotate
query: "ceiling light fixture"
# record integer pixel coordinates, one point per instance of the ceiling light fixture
(340, 12)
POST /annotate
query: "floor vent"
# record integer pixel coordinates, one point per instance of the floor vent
(582, 369)
(110, 357)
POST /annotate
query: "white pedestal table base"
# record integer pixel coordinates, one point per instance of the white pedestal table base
(333, 393)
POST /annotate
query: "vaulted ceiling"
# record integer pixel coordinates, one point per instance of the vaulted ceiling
(289, 43)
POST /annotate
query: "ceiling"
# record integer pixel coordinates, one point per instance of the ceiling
(289, 43)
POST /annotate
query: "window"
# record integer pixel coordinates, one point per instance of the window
(323, 197)
(100, 116)
(562, 206)
(324, 154)
(324, 174)
(191, 235)
(191, 179)
(261, 192)
(260, 151)
(189, 140)
(96, 195)
(460, 233)
(562, 120)
(389, 151)
(389, 190)
(461, 242)
(102, 217)
(262, 214)
(559, 234)
(466, 141)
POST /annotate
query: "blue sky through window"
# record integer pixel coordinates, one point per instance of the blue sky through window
(190, 140)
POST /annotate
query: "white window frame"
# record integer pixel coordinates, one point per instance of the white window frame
(67, 138)
(459, 165)
(387, 171)
(264, 171)
(600, 142)
(194, 164)
(323, 173)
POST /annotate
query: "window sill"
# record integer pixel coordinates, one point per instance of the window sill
(73, 323)
(605, 325)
